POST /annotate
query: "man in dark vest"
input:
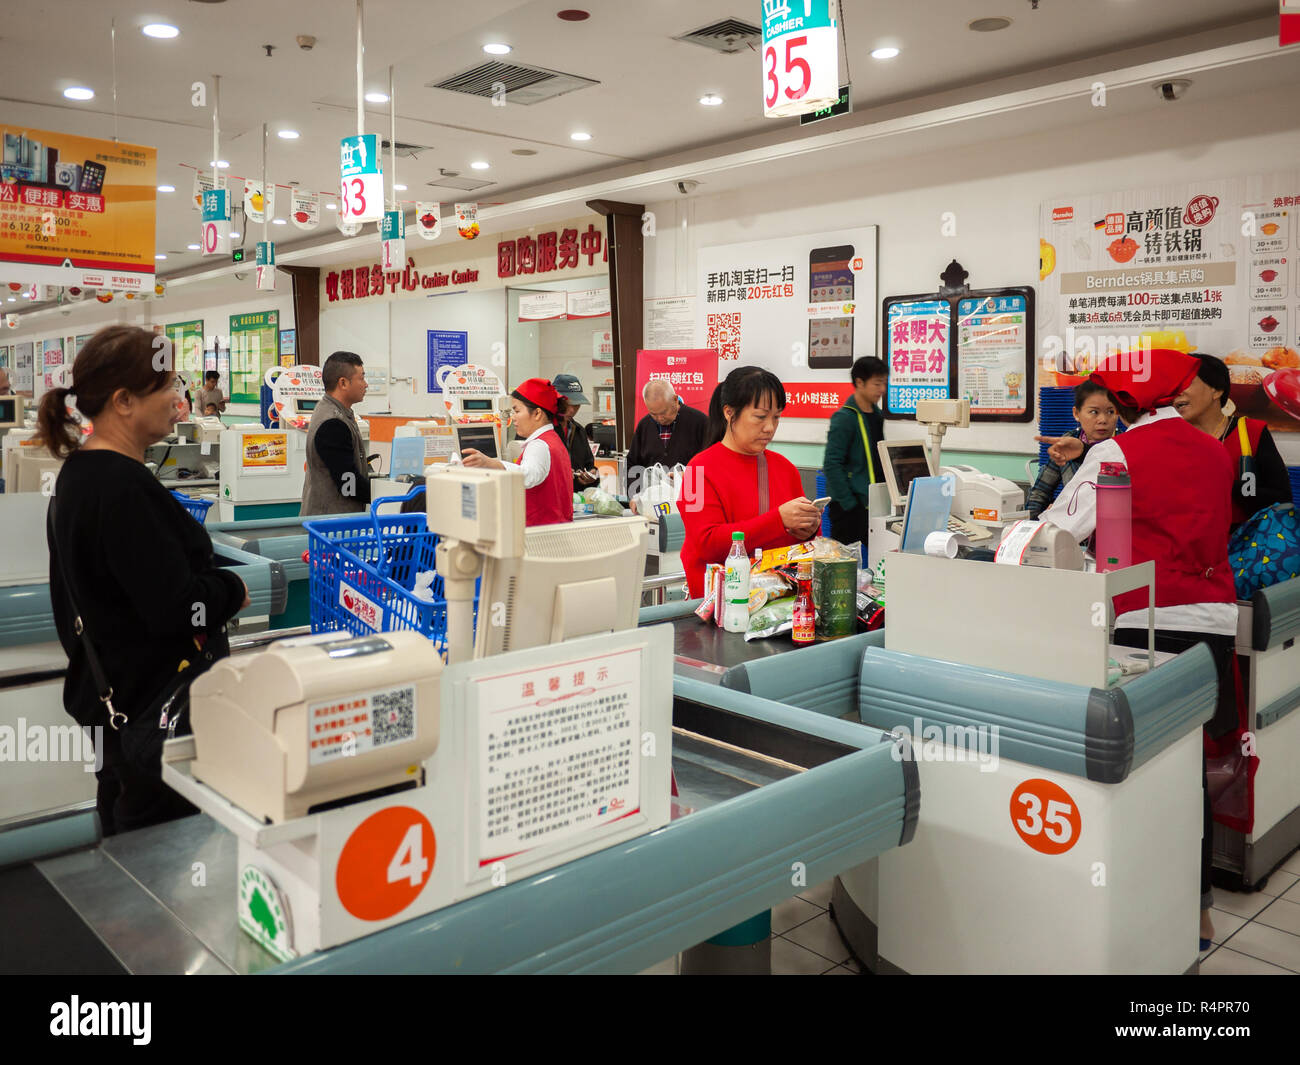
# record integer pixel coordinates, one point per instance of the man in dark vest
(338, 476)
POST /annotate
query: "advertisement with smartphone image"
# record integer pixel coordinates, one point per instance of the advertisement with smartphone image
(76, 210)
(803, 307)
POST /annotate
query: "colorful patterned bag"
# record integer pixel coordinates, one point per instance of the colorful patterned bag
(1265, 550)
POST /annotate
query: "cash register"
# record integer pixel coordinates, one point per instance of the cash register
(902, 461)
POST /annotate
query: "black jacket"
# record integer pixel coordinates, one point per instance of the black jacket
(687, 441)
(580, 456)
(144, 578)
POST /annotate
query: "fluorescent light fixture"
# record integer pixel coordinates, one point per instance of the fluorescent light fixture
(79, 92)
(497, 49)
(884, 53)
(579, 136)
(479, 164)
(192, 247)
(711, 99)
(288, 134)
(166, 188)
(161, 30)
(376, 97)
(160, 255)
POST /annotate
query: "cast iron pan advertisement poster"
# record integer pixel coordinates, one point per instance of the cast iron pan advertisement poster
(802, 307)
(1208, 267)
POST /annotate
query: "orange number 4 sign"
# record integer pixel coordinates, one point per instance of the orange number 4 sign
(1045, 816)
(385, 863)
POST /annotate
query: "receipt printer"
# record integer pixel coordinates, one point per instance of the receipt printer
(985, 498)
(317, 719)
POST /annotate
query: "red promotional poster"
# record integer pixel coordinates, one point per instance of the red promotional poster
(1290, 28)
(693, 373)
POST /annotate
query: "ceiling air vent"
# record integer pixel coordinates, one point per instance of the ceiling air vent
(406, 151)
(729, 36)
(518, 84)
(460, 184)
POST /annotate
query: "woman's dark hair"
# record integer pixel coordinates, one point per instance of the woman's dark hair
(556, 416)
(118, 356)
(1214, 372)
(1085, 391)
(1128, 415)
(745, 386)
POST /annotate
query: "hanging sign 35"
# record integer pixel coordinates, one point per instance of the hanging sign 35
(361, 182)
(800, 57)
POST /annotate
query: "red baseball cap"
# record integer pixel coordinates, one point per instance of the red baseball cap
(539, 392)
(1147, 380)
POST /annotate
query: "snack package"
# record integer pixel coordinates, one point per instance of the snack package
(781, 556)
(709, 610)
(774, 582)
(774, 618)
(715, 574)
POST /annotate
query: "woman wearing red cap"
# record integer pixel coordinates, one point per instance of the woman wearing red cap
(1181, 508)
(537, 410)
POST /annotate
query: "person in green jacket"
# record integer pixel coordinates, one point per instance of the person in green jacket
(852, 462)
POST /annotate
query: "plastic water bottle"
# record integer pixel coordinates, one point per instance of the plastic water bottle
(735, 583)
(1114, 517)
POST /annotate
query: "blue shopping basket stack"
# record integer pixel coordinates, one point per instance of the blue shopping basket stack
(198, 508)
(363, 570)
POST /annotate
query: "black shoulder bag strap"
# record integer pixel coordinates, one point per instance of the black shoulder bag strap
(115, 717)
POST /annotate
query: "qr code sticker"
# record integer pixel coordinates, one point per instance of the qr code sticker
(724, 334)
(392, 716)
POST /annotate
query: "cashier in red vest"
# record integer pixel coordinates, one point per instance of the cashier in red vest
(537, 411)
(1181, 498)
(737, 483)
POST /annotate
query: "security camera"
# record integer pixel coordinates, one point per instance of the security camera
(306, 42)
(687, 187)
(1170, 91)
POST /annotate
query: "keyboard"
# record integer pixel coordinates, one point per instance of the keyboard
(971, 531)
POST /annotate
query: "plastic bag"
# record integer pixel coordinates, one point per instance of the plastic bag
(602, 502)
(772, 620)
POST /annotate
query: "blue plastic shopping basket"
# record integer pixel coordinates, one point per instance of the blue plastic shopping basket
(198, 508)
(363, 570)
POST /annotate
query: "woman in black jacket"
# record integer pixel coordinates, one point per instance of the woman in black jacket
(141, 569)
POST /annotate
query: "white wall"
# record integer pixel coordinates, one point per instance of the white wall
(995, 191)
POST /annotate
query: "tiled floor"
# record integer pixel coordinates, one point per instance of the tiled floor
(1256, 933)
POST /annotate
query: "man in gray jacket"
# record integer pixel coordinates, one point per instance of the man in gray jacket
(338, 476)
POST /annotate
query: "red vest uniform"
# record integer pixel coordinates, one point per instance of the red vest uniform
(551, 502)
(1182, 502)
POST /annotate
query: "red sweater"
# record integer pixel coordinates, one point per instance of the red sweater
(720, 495)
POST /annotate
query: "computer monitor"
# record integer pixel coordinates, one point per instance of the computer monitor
(482, 438)
(579, 579)
(11, 412)
(902, 461)
(606, 436)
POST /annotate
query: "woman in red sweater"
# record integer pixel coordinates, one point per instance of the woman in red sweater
(736, 484)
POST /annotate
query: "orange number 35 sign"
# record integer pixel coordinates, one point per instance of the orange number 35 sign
(1045, 816)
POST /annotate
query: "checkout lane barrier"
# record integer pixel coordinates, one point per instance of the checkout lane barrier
(363, 570)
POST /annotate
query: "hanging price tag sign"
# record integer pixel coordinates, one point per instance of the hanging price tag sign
(801, 70)
(215, 236)
(393, 232)
(266, 265)
(361, 182)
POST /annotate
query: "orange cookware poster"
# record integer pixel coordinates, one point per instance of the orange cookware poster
(265, 453)
(76, 210)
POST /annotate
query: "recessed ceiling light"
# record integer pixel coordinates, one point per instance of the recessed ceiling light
(220, 164)
(278, 222)
(884, 53)
(399, 188)
(79, 92)
(288, 134)
(331, 207)
(166, 188)
(479, 164)
(12, 299)
(376, 97)
(161, 30)
(234, 236)
(711, 99)
(573, 14)
(192, 247)
(497, 49)
(990, 25)
(579, 136)
(160, 255)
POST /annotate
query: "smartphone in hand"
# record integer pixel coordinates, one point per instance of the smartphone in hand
(820, 502)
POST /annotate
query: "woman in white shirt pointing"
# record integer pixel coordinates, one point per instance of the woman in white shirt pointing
(548, 474)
